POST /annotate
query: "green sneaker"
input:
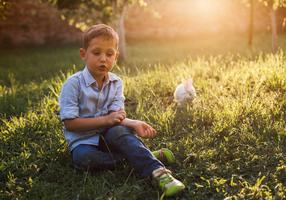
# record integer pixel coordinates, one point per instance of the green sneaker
(166, 156)
(167, 183)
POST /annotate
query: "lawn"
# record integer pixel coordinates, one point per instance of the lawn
(229, 144)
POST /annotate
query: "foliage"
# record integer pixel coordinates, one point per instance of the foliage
(274, 3)
(235, 130)
(83, 13)
(4, 5)
(270, 3)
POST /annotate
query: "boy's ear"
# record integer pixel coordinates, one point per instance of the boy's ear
(82, 53)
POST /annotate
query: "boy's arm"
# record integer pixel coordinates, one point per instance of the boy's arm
(142, 129)
(87, 124)
(69, 110)
(130, 123)
(118, 101)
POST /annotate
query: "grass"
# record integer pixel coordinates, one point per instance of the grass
(230, 143)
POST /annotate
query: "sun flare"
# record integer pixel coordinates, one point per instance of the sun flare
(207, 8)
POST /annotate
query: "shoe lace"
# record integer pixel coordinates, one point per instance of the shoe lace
(166, 179)
(163, 171)
(164, 176)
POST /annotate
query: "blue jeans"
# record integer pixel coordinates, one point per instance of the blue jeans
(116, 144)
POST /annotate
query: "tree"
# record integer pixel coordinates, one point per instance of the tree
(82, 13)
(274, 36)
(250, 30)
(4, 5)
(273, 5)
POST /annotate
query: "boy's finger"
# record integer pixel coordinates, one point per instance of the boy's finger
(150, 134)
(153, 132)
(122, 113)
(117, 120)
(146, 133)
(120, 117)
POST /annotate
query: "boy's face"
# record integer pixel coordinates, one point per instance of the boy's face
(100, 56)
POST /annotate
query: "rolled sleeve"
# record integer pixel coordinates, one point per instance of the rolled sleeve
(118, 100)
(69, 103)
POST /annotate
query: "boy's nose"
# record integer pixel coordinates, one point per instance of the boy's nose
(102, 58)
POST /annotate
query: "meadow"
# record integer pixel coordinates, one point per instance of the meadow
(230, 143)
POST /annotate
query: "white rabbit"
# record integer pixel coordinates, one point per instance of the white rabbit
(185, 92)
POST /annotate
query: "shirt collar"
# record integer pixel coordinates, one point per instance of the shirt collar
(88, 78)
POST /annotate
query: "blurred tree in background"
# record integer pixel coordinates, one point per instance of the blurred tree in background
(272, 6)
(83, 13)
(3, 7)
(40, 22)
(31, 22)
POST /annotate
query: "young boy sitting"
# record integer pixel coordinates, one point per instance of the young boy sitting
(95, 125)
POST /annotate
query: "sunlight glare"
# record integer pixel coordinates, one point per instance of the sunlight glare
(207, 8)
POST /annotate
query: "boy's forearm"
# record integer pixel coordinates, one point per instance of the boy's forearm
(130, 123)
(86, 124)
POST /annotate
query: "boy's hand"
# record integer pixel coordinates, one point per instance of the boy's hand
(143, 129)
(116, 117)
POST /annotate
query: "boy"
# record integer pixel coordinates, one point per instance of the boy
(96, 128)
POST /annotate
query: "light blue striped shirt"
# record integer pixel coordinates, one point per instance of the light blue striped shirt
(81, 98)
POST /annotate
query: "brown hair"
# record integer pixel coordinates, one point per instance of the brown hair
(96, 31)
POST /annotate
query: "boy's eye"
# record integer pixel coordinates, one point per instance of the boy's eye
(110, 54)
(96, 53)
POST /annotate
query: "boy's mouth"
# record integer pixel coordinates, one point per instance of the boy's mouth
(102, 67)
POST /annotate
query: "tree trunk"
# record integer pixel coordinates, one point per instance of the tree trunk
(121, 33)
(273, 30)
(250, 28)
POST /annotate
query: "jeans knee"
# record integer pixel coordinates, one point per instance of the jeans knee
(82, 158)
(116, 132)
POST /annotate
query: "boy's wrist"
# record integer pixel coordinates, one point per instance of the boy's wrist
(108, 120)
(130, 123)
